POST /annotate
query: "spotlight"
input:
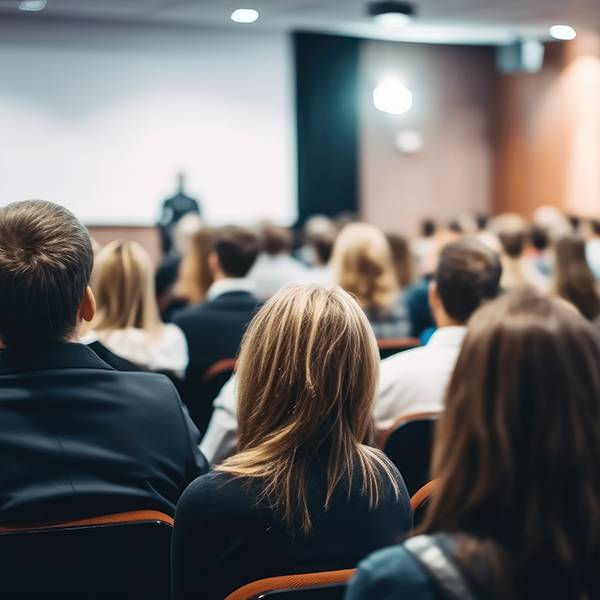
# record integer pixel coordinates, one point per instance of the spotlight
(562, 32)
(391, 14)
(392, 97)
(244, 15)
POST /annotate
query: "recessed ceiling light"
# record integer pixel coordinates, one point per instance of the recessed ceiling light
(244, 15)
(392, 97)
(562, 32)
(32, 5)
(391, 14)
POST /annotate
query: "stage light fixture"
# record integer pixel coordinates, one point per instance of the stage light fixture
(562, 32)
(391, 14)
(244, 15)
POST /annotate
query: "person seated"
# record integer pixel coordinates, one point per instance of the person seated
(573, 279)
(127, 321)
(77, 438)
(516, 454)
(214, 329)
(363, 265)
(414, 381)
(306, 492)
(275, 266)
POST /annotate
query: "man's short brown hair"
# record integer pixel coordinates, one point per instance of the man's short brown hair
(46, 261)
(236, 248)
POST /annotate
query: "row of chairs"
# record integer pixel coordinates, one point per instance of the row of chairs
(126, 556)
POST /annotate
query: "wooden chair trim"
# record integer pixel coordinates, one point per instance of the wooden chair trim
(290, 581)
(423, 493)
(135, 516)
(226, 364)
(382, 439)
(402, 342)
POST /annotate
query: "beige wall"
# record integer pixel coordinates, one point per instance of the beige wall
(453, 92)
(148, 237)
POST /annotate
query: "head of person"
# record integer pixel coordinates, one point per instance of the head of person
(46, 261)
(307, 376)
(234, 251)
(468, 274)
(274, 239)
(123, 284)
(517, 446)
(363, 265)
(404, 262)
(573, 279)
(195, 276)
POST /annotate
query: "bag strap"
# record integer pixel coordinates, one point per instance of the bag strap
(443, 570)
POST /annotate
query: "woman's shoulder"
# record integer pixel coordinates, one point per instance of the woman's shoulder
(391, 573)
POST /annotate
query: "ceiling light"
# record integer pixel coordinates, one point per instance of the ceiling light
(244, 15)
(562, 32)
(32, 5)
(391, 14)
(392, 97)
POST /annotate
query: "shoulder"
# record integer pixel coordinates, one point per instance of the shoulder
(389, 574)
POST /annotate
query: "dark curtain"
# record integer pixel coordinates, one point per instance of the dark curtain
(327, 123)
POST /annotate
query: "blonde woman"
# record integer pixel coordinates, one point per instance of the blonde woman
(362, 264)
(127, 321)
(306, 492)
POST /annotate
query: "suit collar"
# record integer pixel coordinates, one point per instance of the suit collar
(56, 356)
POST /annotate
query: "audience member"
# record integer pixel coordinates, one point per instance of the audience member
(214, 329)
(127, 321)
(517, 273)
(275, 266)
(573, 279)
(516, 457)
(404, 262)
(194, 275)
(78, 438)
(362, 264)
(320, 233)
(422, 245)
(415, 380)
(304, 493)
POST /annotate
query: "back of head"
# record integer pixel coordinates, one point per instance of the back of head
(468, 273)
(275, 240)
(307, 376)
(123, 283)
(194, 275)
(363, 265)
(519, 435)
(236, 248)
(404, 262)
(46, 260)
(573, 279)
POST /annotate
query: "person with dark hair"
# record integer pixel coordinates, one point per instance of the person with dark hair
(214, 329)
(306, 491)
(573, 279)
(275, 266)
(77, 438)
(515, 515)
(468, 273)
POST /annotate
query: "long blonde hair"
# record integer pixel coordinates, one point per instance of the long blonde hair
(123, 284)
(307, 376)
(194, 276)
(363, 265)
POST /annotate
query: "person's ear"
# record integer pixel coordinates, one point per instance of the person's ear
(88, 305)
(432, 296)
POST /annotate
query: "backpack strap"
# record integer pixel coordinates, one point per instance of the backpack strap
(443, 570)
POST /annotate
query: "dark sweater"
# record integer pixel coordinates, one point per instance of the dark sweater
(223, 540)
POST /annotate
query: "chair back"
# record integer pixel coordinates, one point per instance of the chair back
(120, 556)
(421, 499)
(408, 444)
(326, 585)
(389, 346)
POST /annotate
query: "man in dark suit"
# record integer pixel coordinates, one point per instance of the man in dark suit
(215, 328)
(77, 438)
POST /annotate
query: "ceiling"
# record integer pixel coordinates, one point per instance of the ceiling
(441, 21)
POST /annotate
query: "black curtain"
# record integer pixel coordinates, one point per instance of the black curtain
(327, 123)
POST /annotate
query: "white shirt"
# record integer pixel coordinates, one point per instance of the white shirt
(220, 440)
(415, 380)
(166, 352)
(230, 284)
(271, 273)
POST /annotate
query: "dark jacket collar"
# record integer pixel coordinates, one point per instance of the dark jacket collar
(57, 356)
